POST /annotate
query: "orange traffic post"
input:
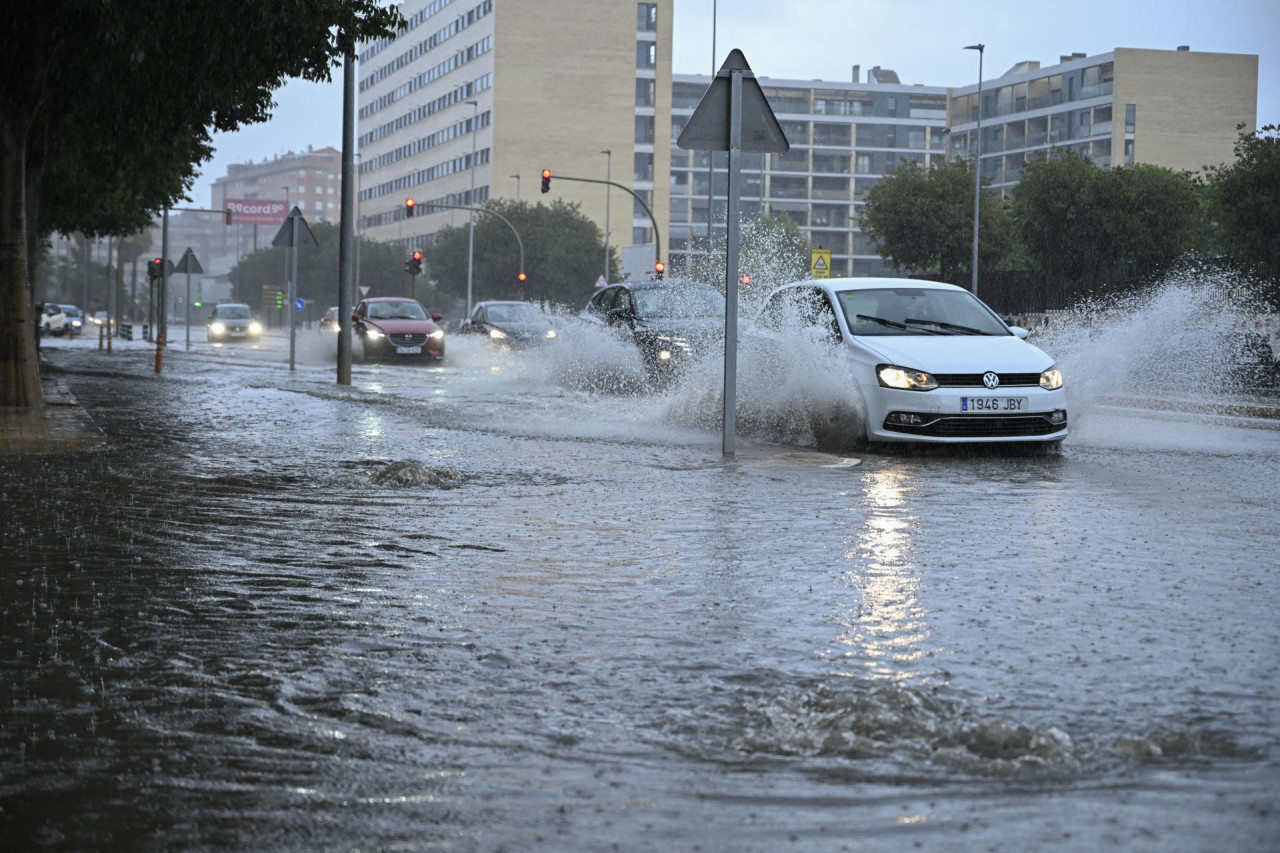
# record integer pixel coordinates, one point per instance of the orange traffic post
(159, 350)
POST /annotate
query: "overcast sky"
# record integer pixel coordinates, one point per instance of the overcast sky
(922, 40)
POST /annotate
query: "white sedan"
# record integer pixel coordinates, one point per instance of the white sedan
(930, 361)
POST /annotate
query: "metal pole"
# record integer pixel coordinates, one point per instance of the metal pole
(284, 250)
(471, 200)
(111, 297)
(187, 305)
(977, 168)
(711, 155)
(731, 264)
(347, 235)
(161, 327)
(293, 292)
(608, 177)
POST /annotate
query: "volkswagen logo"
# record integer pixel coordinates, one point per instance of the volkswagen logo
(990, 379)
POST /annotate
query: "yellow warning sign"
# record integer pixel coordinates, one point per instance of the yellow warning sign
(820, 263)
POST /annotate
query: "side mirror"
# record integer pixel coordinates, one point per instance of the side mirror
(621, 315)
(437, 317)
(1019, 331)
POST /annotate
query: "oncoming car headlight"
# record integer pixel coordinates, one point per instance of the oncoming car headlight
(217, 328)
(904, 378)
(372, 333)
(255, 328)
(551, 333)
(1051, 379)
(497, 334)
(437, 335)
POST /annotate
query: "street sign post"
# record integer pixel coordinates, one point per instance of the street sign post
(733, 116)
(294, 233)
(188, 264)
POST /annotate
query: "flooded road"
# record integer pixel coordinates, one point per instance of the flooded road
(492, 605)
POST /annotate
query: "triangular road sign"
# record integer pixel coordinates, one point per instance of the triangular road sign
(188, 263)
(602, 282)
(708, 127)
(284, 237)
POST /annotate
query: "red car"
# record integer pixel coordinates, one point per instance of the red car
(394, 327)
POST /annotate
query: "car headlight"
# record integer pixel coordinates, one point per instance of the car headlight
(438, 335)
(372, 333)
(497, 334)
(1051, 379)
(216, 328)
(551, 333)
(892, 376)
(255, 328)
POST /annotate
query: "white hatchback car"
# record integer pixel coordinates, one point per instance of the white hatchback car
(930, 361)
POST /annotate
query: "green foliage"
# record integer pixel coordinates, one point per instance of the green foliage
(922, 220)
(381, 269)
(1093, 227)
(1244, 199)
(772, 250)
(562, 254)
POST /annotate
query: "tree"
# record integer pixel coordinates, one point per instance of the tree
(562, 250)
(107, 108)
(772, 251)
(922, 220)
(1085, 227)
(1244, 199)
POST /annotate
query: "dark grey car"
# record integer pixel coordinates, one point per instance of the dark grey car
(672, 321)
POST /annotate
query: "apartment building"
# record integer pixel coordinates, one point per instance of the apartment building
(844, 137)
(474, 98)
(1174, 108)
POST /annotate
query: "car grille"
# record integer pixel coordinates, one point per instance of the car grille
(980, 426)
(414, 340)
(974, 380)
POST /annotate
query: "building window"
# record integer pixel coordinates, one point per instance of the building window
(643, 167)
(647, 17)
(646, 54)
(644, 92)
(644, 129)
(1130, 117)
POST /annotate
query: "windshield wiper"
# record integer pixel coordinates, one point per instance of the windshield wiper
(968, 330)
(894, 325)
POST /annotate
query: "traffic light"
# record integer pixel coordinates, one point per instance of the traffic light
(409, 204)
(279, 298)
(521, 277)
(413, 266)
(744, 279)
(228, 214)
(658, 269)
(546, 180)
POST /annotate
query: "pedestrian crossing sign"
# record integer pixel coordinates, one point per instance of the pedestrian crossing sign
(820, 263)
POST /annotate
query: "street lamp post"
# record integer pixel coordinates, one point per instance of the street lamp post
(517, 177)
(977, 167)
(608, 176)
(471, 200)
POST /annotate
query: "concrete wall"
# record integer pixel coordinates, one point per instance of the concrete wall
(1188, 105)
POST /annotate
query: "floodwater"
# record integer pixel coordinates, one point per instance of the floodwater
(513, 603)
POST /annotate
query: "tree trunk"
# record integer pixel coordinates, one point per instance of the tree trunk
(19, 364)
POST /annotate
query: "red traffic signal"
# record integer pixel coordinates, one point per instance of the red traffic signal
(546, 180)
(408, 207)
(659, 268)
(417, 256)
(744, 279)
(155, 268)
(521, 276)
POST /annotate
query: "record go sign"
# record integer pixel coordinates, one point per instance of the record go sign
(256, 211)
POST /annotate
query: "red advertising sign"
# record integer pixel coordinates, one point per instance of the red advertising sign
(256, 211)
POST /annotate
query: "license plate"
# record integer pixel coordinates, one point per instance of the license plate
(993, 404)
(236, 334)
(408, 350)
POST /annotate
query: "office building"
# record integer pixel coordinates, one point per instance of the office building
(472, 100)
(1174, 108)
(843, 136)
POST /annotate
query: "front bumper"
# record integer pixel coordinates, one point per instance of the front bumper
(947, 415)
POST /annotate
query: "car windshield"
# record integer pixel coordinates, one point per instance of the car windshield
(234, 312)
(513, 314)
(71, 310)
(396, 311)
(917, 311)
(679, 302)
